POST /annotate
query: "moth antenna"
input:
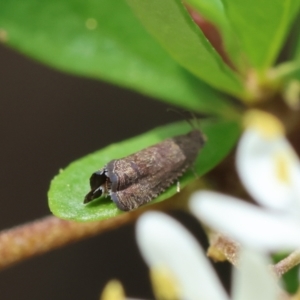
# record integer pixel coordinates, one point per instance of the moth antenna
(180, 113)
(196, 121)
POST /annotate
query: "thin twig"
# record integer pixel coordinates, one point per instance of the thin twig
(49, 233)
(287, 263)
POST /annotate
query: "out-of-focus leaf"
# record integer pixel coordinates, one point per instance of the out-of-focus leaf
(102, 39)
(296, 39)
(287, 71)
(169, 22)
(287, 77)
(69, 187)
(261, 28)
(292, 48)
(214, 12)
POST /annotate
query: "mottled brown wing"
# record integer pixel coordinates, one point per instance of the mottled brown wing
(140, 177)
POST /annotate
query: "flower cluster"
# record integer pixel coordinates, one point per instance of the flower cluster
(270, 171)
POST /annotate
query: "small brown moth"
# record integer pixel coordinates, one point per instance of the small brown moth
(135, 180)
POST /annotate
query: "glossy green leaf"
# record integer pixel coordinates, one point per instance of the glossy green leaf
(69, 187)
(296, 39)
(287, 71)
(102, 39)
(261, 28)
(213, 11)
(169, 22)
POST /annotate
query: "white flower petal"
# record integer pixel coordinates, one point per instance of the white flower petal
(165, 242)
(253, 279)
(270, 170)
(246, 223)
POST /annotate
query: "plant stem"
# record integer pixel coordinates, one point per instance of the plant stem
(49, 233)
(287, 263)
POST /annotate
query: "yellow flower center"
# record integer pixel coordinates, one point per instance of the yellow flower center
(268, 125)
(164, 284)
(113, 291)
(282, 168)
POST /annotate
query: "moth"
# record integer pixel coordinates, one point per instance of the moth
(135, 180)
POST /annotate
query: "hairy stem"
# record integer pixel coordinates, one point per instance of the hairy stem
(287, 263)
(46, 234)
(49, 233)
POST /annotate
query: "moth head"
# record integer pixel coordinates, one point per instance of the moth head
(100, 184)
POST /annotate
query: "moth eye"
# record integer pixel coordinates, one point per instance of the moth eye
(98, 183)
(97, 179)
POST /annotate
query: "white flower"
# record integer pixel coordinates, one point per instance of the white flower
(166, 245)
(270, 171)
(248, 224)
(267, 164)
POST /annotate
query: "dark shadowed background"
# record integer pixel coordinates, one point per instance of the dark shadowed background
(47, 120)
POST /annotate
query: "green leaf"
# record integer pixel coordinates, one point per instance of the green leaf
(261, 28)
(69, 187)
(286, 76)
(287, 71)
(296, 39)
(169, 22)
(213, 11)
(291, 49)
(103, 39)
